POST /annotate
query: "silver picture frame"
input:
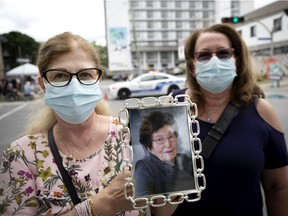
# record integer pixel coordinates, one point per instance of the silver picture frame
(156, 181)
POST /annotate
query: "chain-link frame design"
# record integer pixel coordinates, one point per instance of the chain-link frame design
(196, 144)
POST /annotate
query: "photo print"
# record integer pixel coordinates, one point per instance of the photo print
(162, 154)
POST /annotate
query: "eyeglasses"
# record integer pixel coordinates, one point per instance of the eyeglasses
(60, 78)
(161, 139)
(222, 54)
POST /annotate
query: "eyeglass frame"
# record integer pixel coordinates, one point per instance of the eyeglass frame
(174, 135)
(231, 50)
(43, 74)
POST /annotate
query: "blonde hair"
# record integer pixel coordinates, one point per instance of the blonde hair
(244, 85)
(44, 119)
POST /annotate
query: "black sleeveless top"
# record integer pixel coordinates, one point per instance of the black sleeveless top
(233, 172)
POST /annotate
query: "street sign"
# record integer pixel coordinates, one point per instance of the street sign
(264, 38)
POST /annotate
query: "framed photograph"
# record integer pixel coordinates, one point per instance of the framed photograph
(165, 154)
(162, 154)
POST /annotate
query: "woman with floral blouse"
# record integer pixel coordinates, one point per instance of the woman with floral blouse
(88, 141)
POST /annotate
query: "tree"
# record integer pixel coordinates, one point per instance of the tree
(17, 45)
(102, 50)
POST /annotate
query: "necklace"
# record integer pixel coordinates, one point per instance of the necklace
(209, 112)
(71, 155)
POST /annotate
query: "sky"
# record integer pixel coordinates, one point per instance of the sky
(42, 19)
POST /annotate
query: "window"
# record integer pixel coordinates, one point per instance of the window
(149, 4)
(147, 78)
(165, 35)
(151, 56)
(150, 35)
(164, 24)
(252, 31)
(134, 4)
(192, 4)
(205, 14)
(205, 4)
(178, 4)
(150, 25)
(164, 56)
(277, 24)
(206, 24)
(163, 4)
(149, 14)
(159, 77)
(164, 14)
(178, 24)
(235, 4)
(178, 14)
(179, 35)
(192, 24)
(191, 14)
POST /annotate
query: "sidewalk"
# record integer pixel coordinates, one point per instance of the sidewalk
(271, 90)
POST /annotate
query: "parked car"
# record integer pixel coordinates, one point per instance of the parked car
(148, 84)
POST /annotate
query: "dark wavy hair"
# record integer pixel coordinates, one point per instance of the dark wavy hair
(244, 86)
(151, 123)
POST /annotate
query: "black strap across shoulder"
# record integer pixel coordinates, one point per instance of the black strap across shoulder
(218, 129)
(66, 177)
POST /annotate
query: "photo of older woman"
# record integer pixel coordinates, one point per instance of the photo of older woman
(162, 169)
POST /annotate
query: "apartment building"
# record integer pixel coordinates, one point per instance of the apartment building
(156, 27)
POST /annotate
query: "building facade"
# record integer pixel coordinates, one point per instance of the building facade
(157, 26)
(265, 31)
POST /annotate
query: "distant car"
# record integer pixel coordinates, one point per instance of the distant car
(148, 84)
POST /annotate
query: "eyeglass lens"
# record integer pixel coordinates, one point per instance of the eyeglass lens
(61, 78)
(160, 140)
(207, 55)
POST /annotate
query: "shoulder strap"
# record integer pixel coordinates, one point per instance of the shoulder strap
(218, 129)
(66, 177)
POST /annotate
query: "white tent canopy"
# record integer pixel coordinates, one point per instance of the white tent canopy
(27, 69)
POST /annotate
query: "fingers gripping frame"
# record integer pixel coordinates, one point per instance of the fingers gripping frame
(186, 111)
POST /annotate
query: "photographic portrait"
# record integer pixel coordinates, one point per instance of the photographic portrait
(162, 155)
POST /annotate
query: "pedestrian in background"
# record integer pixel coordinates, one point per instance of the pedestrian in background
(88, 142)
(252, 151)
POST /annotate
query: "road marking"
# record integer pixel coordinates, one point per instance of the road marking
(13, 111)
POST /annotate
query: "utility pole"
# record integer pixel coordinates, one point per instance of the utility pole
(138, 70)
(271, 32)
(1, 60)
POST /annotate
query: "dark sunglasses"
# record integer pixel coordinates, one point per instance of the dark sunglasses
(222, 54)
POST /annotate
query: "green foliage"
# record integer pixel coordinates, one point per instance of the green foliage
(17, 45)
(102, 50)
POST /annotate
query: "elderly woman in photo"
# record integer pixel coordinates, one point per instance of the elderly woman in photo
(163, 169)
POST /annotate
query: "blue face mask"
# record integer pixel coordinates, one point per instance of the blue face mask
(215, 75)
(75, 102)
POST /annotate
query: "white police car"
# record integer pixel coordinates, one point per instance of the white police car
(148, 84)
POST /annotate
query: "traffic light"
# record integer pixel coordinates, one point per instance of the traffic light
(234, 20)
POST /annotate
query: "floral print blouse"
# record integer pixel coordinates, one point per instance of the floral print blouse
(31, 184)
